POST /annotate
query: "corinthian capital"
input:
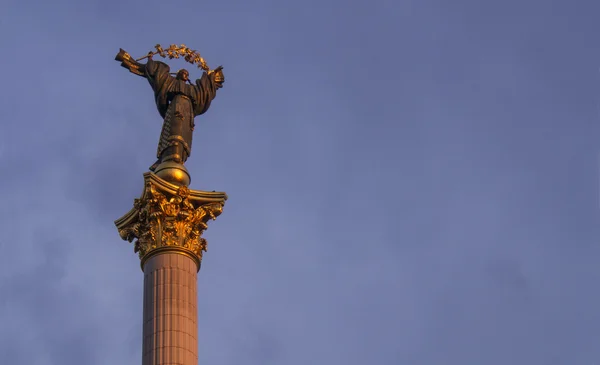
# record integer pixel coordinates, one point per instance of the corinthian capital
(168, 217)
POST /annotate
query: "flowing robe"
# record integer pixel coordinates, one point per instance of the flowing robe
(178, 103)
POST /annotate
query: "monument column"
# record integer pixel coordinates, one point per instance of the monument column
(168, 220)
(167, 223)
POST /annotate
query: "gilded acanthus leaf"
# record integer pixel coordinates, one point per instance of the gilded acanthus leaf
(169, 221)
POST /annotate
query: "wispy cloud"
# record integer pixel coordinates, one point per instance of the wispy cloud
(410, 182)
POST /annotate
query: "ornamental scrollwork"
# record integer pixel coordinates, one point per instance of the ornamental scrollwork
(165, 220)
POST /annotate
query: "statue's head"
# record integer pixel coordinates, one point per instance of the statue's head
(183, 75)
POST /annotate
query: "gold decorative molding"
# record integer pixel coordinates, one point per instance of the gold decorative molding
(168, 217)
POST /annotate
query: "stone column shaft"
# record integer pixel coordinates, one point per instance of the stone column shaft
(170, 334)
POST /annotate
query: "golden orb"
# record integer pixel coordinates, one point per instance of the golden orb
(174, 173)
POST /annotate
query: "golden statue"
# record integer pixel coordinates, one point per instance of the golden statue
(178, 100)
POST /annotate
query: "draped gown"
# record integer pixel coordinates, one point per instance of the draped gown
(178, 104)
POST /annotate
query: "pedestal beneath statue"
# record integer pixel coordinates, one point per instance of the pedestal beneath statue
(167, 223)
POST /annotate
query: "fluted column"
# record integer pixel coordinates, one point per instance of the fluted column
(167, 223)
(170, 310)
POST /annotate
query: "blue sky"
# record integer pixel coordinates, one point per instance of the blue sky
(410, 182)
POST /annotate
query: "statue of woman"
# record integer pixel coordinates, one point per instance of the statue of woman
(178, 101)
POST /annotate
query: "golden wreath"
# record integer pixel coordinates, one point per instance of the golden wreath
(182, 51)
